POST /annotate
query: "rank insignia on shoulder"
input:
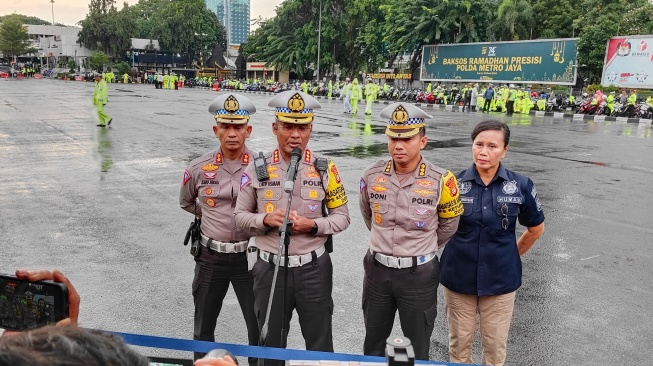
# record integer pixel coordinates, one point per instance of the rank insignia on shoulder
(422, 170)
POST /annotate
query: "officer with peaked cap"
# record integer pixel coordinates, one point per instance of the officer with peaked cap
(318, 210)
(411, 208)
(209, 190)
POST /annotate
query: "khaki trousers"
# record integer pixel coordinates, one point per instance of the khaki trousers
(495, 314)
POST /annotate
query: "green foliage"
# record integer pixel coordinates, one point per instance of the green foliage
(188, 26)
(604, 89)
(180, 26)
(410, 25)
(555, 19)
(14, 39)
(122, 67)
(514, 20)
(606, 19)
(97, 61)
(72, 66)
(26, 19)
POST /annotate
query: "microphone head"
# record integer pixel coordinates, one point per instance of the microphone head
(296, 153)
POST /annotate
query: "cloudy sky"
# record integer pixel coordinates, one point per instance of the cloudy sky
(70, 12)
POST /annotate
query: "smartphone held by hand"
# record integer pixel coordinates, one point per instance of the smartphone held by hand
(29, 305)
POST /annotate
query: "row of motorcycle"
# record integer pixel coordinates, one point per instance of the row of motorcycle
(280, 87)
(621, 109)
(554, 102)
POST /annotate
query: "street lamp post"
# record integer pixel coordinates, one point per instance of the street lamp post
(52, 1)
(319, 36)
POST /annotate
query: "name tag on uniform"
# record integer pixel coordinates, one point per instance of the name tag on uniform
(466, 199)
(503, 199)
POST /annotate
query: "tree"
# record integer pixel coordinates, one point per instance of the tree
(14, 39)
(96, 30)
(287, 41)
(188, 26)
(97, 61)
(514, 20)
(555, 19)
(603, 20)
(26, 19)
(410, 25)
(122, 67)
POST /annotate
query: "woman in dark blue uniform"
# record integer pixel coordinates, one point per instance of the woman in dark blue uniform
(480, 268)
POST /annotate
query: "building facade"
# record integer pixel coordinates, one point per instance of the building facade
(234, 16)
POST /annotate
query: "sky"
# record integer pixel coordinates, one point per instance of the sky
(69, 12)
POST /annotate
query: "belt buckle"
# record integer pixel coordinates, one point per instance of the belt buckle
(393, 262)
(294, 261)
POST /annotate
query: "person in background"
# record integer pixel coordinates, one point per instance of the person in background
(100, 99)
(346, 94)
(356, 95)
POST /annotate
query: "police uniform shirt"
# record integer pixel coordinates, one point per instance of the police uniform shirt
(482, 257)
(257, 198)
(411, 218)
(215, 183)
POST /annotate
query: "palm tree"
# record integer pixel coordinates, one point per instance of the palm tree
(514, 17)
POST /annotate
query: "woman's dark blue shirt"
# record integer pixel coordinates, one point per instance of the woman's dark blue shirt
(482, 257)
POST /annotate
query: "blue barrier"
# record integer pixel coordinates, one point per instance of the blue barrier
(251, 351)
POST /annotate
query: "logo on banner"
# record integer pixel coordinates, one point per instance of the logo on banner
(623, 48)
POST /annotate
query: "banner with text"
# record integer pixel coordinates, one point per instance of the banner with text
(629, 62)
(546, 61)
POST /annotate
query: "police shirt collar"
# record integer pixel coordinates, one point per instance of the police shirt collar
(307, 156)
(472, 174)
(244, 158)
(420, 171)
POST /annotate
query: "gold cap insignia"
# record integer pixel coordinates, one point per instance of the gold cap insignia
(296, 103)
(400, 116)
(231, 105)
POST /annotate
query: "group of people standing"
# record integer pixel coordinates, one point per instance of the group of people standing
(352, 92)
(411, 206)
(165, 81)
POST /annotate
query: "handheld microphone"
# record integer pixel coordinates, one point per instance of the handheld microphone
(295, 156)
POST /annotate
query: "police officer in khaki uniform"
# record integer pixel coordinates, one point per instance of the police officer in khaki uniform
(411, 208)
(260, 209)
(209, 190)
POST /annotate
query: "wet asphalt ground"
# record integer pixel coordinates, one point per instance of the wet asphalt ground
(101, 204)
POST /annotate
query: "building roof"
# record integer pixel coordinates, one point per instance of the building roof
(144, 44)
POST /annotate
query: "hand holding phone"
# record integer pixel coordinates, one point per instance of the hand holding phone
(34, 298)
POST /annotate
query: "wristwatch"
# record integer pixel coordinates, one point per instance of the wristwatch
(314, 229)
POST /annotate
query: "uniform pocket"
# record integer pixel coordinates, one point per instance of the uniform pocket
(379, 211)
(312, 202)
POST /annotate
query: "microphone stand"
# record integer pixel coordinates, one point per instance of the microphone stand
(284, 242)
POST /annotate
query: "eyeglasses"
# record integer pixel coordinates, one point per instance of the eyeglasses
(504, 221)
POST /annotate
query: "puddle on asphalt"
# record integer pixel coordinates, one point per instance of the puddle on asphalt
(104, 149)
